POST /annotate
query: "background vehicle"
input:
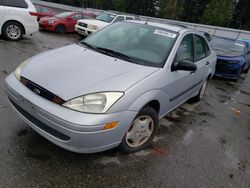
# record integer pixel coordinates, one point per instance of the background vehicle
(233, 57)
(118, 83)
(17, 18)
(63, 22)
(87, 27)
(43, 11)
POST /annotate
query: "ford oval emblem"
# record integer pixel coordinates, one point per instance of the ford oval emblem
(37, 91)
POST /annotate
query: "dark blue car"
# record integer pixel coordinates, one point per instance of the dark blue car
(233, 57)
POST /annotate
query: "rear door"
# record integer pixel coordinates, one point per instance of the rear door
(180, 83)
(201, 59)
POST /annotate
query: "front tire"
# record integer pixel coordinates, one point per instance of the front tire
(61, 29)
(12, 31)
(141, 131)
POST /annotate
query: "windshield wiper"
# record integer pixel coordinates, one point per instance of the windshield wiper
(118, 55)
(112, 53)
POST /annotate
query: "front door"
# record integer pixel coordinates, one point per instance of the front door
(180, 83)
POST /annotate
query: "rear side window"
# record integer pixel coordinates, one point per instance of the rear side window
(14, 3)
(200, 48)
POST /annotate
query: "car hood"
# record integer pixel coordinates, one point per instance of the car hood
(98, 23)
(73, 71)
(226, 53)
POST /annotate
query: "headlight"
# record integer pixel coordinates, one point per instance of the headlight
(19, 69)
(96, 103)
(51, 21)
(92, 27)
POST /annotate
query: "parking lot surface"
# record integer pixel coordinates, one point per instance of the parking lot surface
(198, 145)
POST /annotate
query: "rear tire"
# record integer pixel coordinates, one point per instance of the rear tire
(202, 92)
(12, 31)
(141, 131)
(61, 29)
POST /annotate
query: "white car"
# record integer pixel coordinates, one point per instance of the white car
(17, 18)
(88, 26)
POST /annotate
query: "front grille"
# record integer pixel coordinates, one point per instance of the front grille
(40, 124)
(83, 24)
(41, 91)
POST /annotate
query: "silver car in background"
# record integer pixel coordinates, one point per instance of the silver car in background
(112, 88)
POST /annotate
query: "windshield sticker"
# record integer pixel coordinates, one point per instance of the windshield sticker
(164, 33)
(241, 45)
(112, 16)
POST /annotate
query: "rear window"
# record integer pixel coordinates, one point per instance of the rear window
(14, 3)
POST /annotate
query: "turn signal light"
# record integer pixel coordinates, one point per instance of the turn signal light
(111, 125)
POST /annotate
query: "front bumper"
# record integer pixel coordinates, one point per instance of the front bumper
(228, 71)
(71, 130)
(83, 30)
(46, 26)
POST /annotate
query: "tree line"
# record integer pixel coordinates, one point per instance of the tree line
(224, 13)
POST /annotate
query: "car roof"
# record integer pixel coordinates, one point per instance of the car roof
(168, 26)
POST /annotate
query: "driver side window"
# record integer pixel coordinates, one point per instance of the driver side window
(185, 50)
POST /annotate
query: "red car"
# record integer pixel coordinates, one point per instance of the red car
(43, 11)
(63, 22)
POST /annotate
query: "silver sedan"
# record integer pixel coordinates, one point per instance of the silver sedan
(111, 89)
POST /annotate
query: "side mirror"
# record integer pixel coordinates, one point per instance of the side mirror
(69, 18)
(185, 65)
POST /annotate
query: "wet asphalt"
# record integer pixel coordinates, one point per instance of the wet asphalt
(198, 145)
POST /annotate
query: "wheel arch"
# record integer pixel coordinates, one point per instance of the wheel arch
(60, 23)
(156, 99)
(23, 28)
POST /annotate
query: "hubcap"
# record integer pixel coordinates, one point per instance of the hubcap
(13, 31)
(203, 89)
(140, 131)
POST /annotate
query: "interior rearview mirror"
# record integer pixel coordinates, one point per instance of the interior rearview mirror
(185, 65)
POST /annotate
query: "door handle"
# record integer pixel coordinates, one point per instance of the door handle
(207, 63)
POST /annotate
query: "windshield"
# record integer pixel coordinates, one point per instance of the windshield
(63, 15)
(219, 43)
(106, 17)
(142, 44)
